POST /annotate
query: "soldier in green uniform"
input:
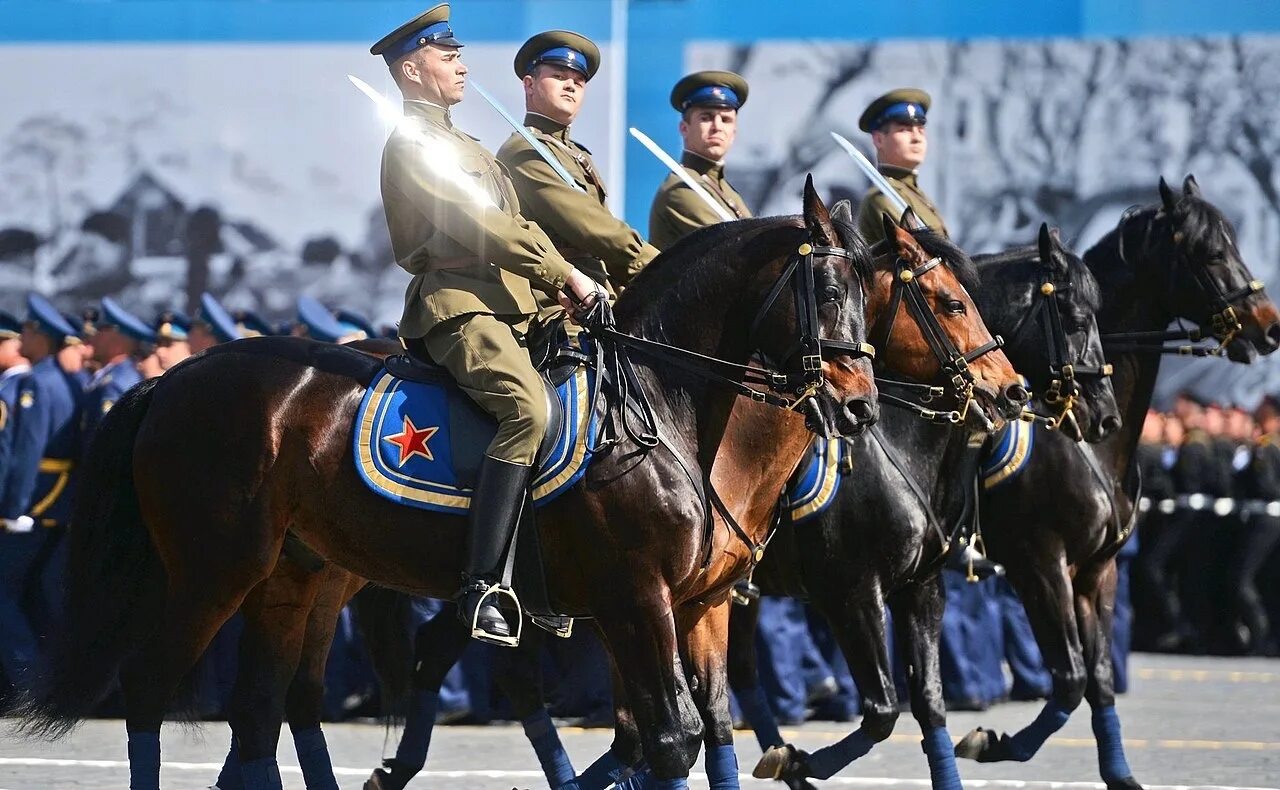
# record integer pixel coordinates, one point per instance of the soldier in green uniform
(455, 225)
(896, 123)
(708, 103)
(555, 68)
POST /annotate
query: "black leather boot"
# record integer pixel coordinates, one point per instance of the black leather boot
(496, 506)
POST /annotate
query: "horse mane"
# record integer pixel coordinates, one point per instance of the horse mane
(938, 246)
(712, 261)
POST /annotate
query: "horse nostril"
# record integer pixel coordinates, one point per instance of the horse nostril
(1109, 425)
(1017, 394)
(1273, 335)
(861, 411)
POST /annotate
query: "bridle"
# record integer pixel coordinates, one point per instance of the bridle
(1223, 323)
(953, 362)
(1066, 367)
(787, 385)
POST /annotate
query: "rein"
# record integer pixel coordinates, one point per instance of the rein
(954, 363)
(1223, 323)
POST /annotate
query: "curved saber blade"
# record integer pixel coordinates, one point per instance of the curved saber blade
(682, 174)
(869, 170)
(538, 147)
(441, 157)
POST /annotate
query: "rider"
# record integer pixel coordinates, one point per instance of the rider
(554, 68)
(708, 103)
(470, 301)
(896, 123)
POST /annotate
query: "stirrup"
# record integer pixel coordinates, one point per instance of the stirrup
(497, 591)
(554, 624)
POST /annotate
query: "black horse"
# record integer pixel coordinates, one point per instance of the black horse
(1058, 526)
(911, 481)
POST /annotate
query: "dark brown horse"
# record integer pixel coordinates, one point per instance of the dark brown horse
(195, 479)
(1175, 260)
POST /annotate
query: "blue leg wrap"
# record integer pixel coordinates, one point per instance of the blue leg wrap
(144, 761)
(541, 732)
(640, 779)
(755, 707)
(1111, 761)
(1024, 745)
(722, 767)
(824, 763)
(416, 738)
(313, 758)
(261, 774)
(681, 783)
(229, 776)
(604, 772)
(942, 759)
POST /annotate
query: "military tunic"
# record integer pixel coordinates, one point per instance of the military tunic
(474, 269)
(677, 211)
(874, 204)
(580, 224)
(107, 386)
(45, 446)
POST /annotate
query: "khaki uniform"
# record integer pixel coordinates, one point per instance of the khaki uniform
(474, 270)
(580, 225)
(874, 204)
(677, 211)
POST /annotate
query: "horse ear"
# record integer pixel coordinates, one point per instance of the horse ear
(890, 227)
(1190, 188)
(842, 211)
(1048, 244)
(816, 217)
(904, 244)
(1167, 197)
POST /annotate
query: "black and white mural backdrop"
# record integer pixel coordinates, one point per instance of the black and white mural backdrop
(1071, 132)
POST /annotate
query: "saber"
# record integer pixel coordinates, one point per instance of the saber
(682, 174)
(869, 170)
(441, 158)
(541, 149)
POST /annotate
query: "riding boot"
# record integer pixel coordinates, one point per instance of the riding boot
(496, 506)
(963, 557)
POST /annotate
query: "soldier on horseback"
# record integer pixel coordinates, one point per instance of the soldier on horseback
(475, 262)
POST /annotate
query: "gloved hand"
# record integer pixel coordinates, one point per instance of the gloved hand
(19, 524)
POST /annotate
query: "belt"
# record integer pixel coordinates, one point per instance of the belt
(55, 465)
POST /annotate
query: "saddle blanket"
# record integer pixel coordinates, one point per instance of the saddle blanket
(420, 444)
(816, 481)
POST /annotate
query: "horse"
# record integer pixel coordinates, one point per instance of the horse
(158, 561)
(1173, 260)
(881, 541)
(440, 642)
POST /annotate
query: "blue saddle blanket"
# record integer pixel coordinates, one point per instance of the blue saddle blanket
(1008, 453)
(420, 444)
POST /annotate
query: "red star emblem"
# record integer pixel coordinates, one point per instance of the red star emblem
(412, 441)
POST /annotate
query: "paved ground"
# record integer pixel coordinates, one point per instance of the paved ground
(1188, 722)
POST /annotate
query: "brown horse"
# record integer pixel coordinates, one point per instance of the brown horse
(195, 478)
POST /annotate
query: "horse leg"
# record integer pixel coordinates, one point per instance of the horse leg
(706, 641)
(192, 616)
(518, 674)
(276, 614)
(917, 620)
(438, 645)
(1044, 585)
(744, 678)
(623, 763)
(861, 630)
(1095, 607)
(642, 641)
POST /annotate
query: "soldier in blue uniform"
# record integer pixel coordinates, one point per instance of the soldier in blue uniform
(318, 323)
(118, 342)
(172, 344)
(38, 484)
(18, 549)
(212, 325)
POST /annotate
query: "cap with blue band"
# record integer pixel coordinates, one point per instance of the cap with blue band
(172, 325)
(216, 317)
(907, 111)
(712, 96)
(903, 105)
(431, 27)
(46, 318)
(560, 48)
(722, 89)
(115, 316)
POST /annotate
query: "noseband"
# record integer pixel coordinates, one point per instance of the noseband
(954, 363)
(1065, 366)
(1223, 323)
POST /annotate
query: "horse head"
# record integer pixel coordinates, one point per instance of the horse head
(1207, 279)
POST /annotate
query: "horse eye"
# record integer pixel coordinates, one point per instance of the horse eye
(956, 306)
(831, 294)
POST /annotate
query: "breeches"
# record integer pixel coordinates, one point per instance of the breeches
(487, 357)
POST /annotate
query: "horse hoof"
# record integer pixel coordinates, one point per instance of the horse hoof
(974, 745)
(1127, 783)
(783, 763)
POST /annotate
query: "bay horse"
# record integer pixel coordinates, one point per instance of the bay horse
(440, 642)
(1177, 259)
(880, 543)
(196, 477)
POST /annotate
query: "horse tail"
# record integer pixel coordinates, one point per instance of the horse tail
(115, 580)
(385, 620)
